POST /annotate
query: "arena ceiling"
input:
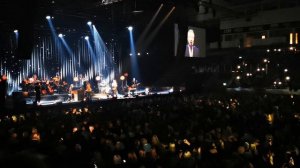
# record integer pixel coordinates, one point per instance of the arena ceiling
(107, 11)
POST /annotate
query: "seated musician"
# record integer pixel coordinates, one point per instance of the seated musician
(24, 85)
(55, 83)
(133, 88)
(88, 91)
(47, 88)
(65, 87)
(35, 78)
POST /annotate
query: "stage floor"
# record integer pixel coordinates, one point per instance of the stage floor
(66, 98)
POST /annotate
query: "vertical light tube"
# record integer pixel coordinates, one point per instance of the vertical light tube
(291, 38)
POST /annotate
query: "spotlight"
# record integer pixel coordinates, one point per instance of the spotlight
(130, 54)
(139, 54)
(16, 31)
(48, 17)
(146, 91)
(60, 35)
(86, 37)
(89, 23)
(130, 28)
(98, 78)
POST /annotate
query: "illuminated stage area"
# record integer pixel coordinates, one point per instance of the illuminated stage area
(59, 58)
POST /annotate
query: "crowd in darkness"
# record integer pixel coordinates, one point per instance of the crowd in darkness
(173, 131)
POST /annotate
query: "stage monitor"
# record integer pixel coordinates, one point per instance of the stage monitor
(192, 41)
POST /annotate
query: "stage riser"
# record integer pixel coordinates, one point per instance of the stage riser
(21, 96)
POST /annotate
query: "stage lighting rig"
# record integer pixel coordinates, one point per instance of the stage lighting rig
(107, 2)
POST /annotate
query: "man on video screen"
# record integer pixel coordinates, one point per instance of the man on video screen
(191, 50)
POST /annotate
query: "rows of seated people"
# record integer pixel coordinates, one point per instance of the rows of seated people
(174, 131)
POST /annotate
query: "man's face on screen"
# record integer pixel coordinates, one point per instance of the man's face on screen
(191, 37)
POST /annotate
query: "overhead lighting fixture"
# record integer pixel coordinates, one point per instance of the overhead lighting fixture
(107, 2)
(130, 28)
(89, 23)
(48, 17)
(86, 37)
(60, 35)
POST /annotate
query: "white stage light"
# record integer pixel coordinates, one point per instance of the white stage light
(98, 78)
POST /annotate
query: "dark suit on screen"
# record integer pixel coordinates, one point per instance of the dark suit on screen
(195, 51)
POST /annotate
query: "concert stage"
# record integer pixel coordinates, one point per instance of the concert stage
(29, 97)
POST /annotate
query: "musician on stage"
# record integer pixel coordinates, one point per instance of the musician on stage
(35, 78)
(114, 88)
(133, 88)
(3, 91)
(37, 89)
(88, 91)
(25, 85)
(64, 87)
(71, 92)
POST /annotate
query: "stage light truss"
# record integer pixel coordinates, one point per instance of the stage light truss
(107, 2)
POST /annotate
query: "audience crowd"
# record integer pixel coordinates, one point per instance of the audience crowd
(174, 131)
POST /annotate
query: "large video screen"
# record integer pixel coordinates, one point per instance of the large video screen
(195, 42)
